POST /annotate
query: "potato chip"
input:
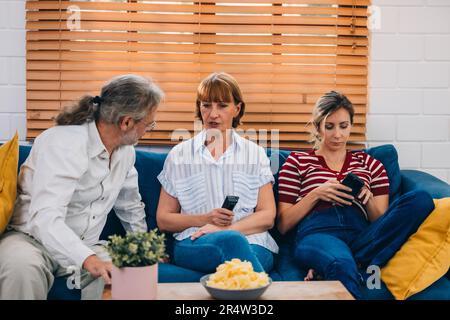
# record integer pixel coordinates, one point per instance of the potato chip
(237, 274)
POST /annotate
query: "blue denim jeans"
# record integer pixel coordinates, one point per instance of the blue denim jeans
(210, 250)
(338, 242)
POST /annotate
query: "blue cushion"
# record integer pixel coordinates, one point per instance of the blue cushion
(60, 291)
(24, 151)
(149, 165)
(277, 159)
(389, 158)
(415, 180)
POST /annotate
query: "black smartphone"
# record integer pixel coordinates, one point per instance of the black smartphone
(354, 182)
(230, 202)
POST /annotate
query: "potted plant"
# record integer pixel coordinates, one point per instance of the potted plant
(135, 260)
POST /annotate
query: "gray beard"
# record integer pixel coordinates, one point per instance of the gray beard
(130, 138)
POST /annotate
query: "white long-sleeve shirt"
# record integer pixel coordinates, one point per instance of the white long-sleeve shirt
(201, 183)
(68, 185)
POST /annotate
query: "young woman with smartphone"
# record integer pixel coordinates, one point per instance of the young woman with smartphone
(338, 235)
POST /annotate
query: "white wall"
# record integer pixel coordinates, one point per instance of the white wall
(409, 103)
(409, 80)
(12, 69)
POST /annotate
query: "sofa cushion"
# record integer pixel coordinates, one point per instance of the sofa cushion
(149, 165)
(388, 156)
(9, 157)
(418, 180)
(424, 258)
(277, 159)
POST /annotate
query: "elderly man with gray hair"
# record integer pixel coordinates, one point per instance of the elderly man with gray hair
(75, 174)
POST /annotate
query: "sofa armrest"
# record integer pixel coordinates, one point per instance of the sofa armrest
(414, 179)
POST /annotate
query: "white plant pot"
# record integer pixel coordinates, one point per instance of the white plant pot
(134, 283)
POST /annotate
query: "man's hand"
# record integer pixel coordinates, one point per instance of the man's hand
(207, 228)
(98, 268)
(220, 217)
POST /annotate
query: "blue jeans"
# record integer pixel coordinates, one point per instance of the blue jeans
(210, 250)
(338, 241)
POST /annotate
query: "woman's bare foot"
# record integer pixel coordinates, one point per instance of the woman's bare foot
(309, 275)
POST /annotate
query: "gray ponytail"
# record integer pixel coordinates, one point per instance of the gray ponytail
(126, 95)
(84, 111)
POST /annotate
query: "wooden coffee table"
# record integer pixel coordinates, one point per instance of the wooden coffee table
(279, 290)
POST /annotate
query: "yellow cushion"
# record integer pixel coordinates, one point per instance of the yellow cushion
(425, 256)
(9, 157)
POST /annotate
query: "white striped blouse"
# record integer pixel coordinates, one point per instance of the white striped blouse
(200, 183)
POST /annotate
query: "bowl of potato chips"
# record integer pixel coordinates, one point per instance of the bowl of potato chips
(236, 280)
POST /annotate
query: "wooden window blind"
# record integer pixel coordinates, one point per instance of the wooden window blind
(285, 55)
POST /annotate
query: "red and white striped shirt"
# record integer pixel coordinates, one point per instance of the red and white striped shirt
(304, 171)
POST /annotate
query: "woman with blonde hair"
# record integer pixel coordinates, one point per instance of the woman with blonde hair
(337, 234)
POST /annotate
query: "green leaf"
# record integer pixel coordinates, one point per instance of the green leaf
(137, 249)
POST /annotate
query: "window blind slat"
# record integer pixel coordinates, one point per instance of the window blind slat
(84, 86)
(208, 28)
(196, 77)
(194, 67)
(197, 18)
(337, 61)
(197, 38)
(197, 7)
(34, 4)
(193, 48)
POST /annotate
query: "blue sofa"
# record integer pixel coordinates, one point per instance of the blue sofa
(149, 164)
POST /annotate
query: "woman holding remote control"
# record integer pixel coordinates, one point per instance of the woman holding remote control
(201, 172)
(337, 233)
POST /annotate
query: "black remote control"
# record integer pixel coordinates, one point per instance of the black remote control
(230, 202)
